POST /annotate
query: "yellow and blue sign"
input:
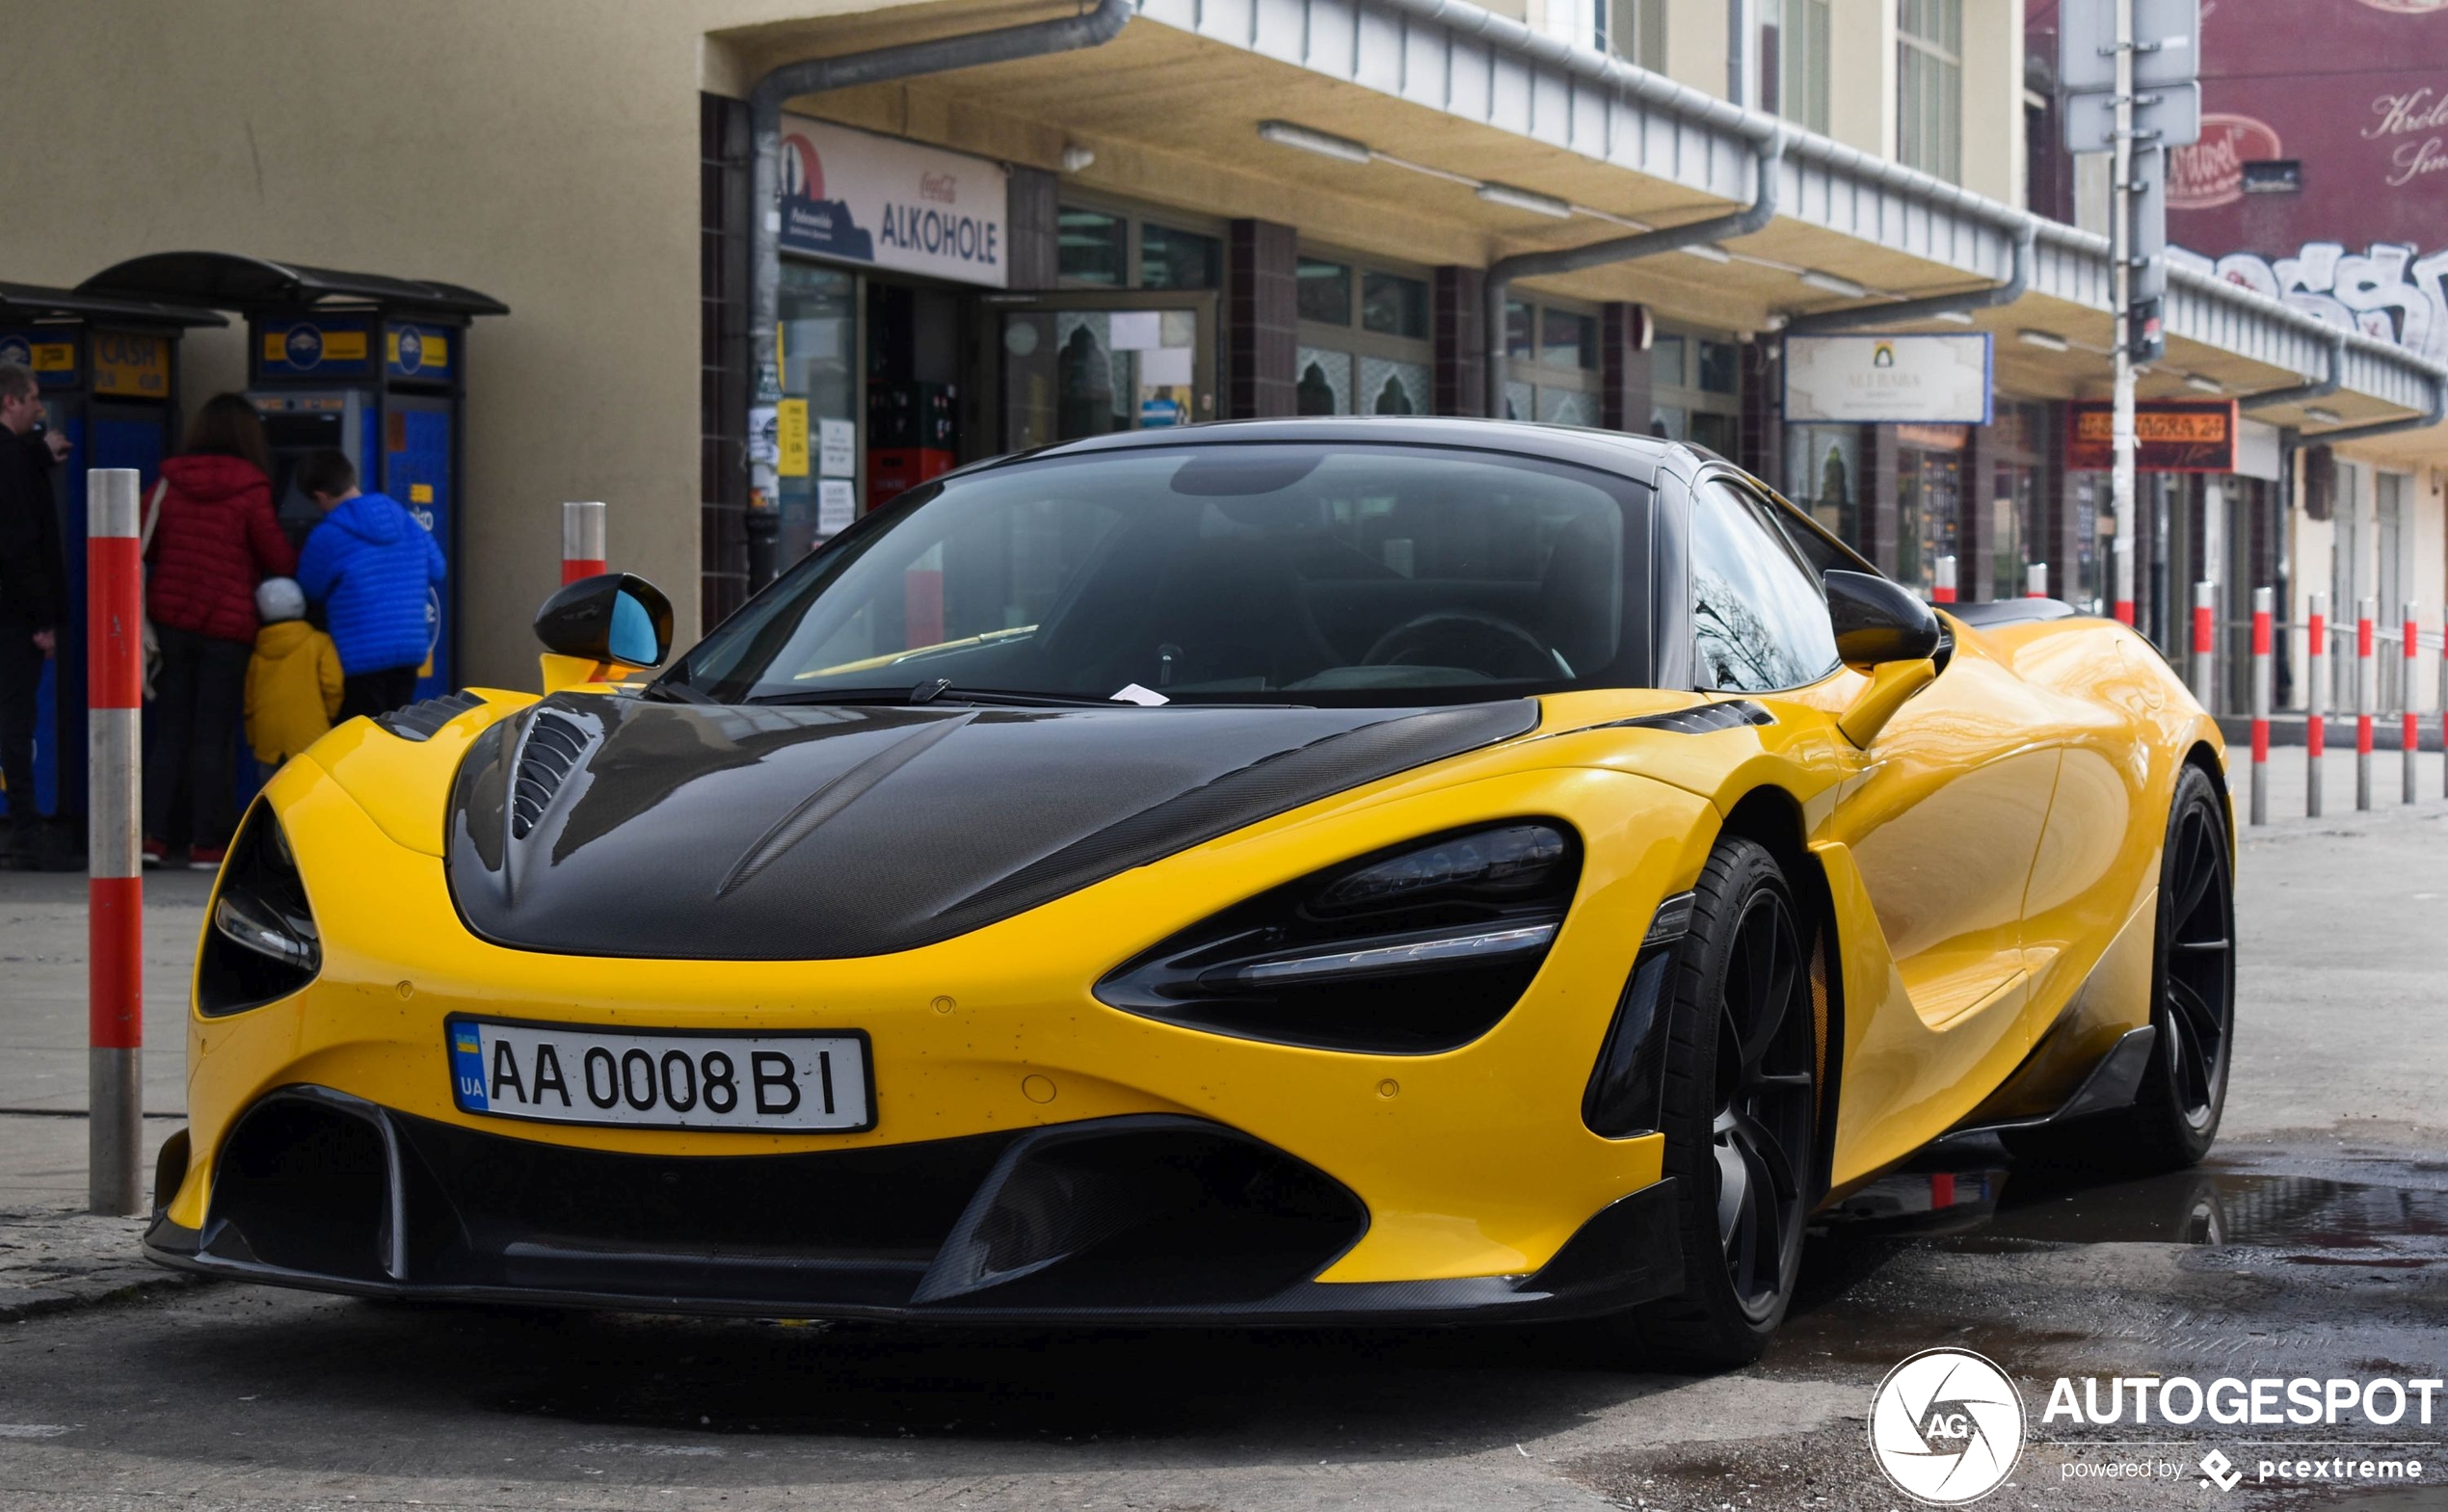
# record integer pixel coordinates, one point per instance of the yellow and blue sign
(131, 366)
(417, 352)
(326, 346)
(51, 354)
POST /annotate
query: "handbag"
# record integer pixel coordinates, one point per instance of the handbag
(152, 644)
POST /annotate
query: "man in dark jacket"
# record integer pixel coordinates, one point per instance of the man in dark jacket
(33, 597)
(373, 568)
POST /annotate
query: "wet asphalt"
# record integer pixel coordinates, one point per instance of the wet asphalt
(2314, 1243)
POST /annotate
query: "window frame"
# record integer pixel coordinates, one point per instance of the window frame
(1355, 341)
(1135, 217)
(1923, 59)
(1688, 396)
(1536, 372)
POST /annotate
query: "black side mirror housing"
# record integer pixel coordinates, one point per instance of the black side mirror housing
(612, 616)
(1878, 622)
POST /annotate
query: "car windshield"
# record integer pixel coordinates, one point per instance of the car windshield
(1232, 573)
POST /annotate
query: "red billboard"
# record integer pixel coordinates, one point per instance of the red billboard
(2170, 435)
(2355, 90)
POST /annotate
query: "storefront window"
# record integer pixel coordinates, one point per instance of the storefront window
(1823, 470)
(1694, 383)
(1365, 357)
(1720, 373)
(818, 342)
(1394, 306)
(1517, 330)
(1324, 291)
(1171, 258)
(1568, 338)
(1666, 363)
(1093, 246)
(1553, 363)
(1929, 500)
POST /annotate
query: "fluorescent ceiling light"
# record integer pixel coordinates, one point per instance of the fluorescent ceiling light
(2207, 385)
(1530, 199)
(1954, 317)
(1708, 252)
(2045, 340)
(2313, 412)
(1833, 283)
(1284, 134)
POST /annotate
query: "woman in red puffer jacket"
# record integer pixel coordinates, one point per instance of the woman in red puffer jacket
(214, 539)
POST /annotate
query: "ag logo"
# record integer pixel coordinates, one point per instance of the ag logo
(303, 346)
(17, 350)
(1946, 1426)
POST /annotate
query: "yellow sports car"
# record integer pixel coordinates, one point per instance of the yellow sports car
(1284, 872)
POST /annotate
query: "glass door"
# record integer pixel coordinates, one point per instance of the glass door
(1079, 363)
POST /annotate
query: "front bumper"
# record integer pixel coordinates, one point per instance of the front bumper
(1143, 1219)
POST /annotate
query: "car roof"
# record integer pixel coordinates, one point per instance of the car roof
(1637, 457)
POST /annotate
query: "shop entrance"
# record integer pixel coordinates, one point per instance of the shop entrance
(1075, 364)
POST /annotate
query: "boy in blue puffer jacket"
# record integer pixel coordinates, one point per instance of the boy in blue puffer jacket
(369, 564)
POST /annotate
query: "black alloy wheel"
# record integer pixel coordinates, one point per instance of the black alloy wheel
(1742, 1112)
(2174, 1117)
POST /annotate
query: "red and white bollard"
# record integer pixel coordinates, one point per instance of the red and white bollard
(2316, 699)
(582, 552)
(2414, 726)
(2264, 682)
(2443, 699)
(2036, 580)
(1943, 593)
(2366, 698)
(2121, 565)
(2205, 643)
(115, 873)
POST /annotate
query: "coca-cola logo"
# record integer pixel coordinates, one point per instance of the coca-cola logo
(2210, 172)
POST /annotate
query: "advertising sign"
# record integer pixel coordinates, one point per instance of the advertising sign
(1937, 380)
(416, 351)
(325, 347)
(790, 439)
(2171, 435)
(51, 355)
(130, 366)
(885, 203)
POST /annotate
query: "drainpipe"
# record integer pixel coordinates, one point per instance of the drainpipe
(2305, 393)
(815, 76)
(1500, 274)
(1854, 317)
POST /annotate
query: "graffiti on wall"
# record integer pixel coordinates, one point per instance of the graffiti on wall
(2385, 291)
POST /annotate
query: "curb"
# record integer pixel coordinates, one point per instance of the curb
(55, 1261)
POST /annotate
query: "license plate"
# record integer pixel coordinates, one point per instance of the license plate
(662, 1078)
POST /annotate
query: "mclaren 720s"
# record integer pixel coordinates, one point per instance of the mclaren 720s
(1278, 872)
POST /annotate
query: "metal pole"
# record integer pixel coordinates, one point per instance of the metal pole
(2205, 645)
(2264, 605)
(2413, 725)
(2121, 568)
(2120, 254)
(583, 554)
(2316, 704)
(115, 875)
(2036, 580)
(1944, 591)
(2366, 697)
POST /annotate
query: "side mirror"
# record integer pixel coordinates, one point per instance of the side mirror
(1878, 622)
(612, 616)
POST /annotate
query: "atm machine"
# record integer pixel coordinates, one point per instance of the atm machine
(108, 372)
(373, 366)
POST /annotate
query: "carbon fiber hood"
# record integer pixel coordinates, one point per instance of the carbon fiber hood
(596, 825)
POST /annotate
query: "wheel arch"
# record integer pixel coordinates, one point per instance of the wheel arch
(1772, 817)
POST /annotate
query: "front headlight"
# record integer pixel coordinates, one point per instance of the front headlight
(261, 943)
(1408, 951)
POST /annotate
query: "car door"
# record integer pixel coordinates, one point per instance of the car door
(1941, 817)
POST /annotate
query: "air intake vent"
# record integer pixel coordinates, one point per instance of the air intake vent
(554, 743)
(422, 720)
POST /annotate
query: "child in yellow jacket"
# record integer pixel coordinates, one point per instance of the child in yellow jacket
(293, 679)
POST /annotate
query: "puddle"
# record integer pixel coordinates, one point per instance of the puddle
(2323, 1220)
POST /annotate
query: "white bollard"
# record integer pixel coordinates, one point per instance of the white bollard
(2412, 734)
(582, 540)
(2036, 580)
(2366, 698)
(1943, 585)
(2316, 701)
(2264, 681)
(2205, 630)
(114, 870)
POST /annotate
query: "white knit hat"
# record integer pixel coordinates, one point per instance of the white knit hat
(279, 599)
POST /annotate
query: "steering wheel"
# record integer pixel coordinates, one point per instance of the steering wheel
(1485, 643)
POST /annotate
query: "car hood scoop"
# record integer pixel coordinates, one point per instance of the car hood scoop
(596, 825)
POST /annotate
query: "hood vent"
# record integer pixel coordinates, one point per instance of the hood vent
(546, 759)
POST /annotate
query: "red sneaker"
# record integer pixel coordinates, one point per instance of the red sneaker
(156, 854)
(206, 857)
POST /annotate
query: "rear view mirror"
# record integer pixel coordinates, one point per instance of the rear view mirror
(613, 617)
(1876, 622)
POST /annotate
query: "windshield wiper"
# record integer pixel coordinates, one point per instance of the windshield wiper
(664, 690)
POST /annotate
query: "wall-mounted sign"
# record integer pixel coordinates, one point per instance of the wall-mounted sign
(324, 347)
(790, 439)
(417, 352)
(1932, 379)
(856, 198)
(836, 448)
(2170, 435)
(51, 355)
(130, 366)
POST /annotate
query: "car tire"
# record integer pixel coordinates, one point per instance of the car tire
(2175, 1116)
(1741, 1113)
